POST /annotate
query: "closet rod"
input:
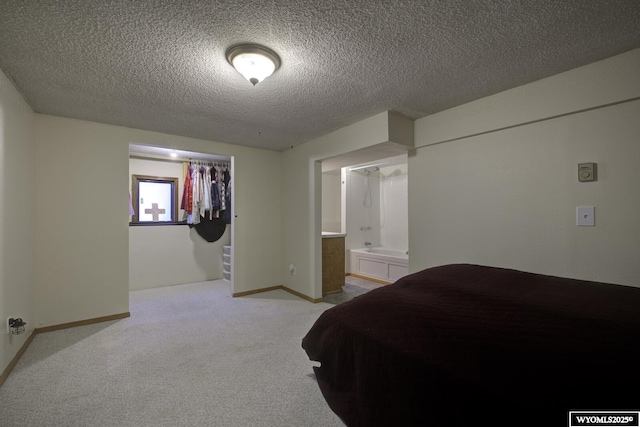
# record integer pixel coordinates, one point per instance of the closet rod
(210, 162)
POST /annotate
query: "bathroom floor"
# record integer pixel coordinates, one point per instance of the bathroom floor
(353, 287)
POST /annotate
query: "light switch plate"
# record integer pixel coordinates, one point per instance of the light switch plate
(585, 216)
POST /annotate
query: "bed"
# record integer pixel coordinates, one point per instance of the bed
(474, 345)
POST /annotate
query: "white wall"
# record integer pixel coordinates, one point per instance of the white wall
(82, 226)
(170, 254)
(17, 193)
(82, 222)
(331, 202)
(494, 182)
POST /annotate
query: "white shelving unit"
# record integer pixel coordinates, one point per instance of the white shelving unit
(226, 263)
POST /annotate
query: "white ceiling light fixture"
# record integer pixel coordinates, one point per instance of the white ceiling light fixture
(253, 61)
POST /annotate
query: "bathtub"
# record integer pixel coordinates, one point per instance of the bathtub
(379, 263)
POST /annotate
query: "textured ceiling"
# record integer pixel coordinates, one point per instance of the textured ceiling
(160, 64)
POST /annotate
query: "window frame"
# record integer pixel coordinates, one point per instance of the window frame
(135, 190)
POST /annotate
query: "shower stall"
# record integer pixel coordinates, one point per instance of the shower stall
(375, 218)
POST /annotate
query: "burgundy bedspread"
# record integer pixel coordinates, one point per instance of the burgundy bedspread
(466, 344)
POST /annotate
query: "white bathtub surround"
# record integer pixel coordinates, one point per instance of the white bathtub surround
(362, 223)
(376, 216)
(379, 263)
(394, 207)
(376, 205)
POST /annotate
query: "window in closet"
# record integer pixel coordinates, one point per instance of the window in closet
(155, 199)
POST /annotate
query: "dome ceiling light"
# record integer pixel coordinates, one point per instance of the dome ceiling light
(253, 61)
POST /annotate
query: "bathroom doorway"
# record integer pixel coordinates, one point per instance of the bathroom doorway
(368, 202)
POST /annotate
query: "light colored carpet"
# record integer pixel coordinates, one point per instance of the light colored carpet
(189, 355)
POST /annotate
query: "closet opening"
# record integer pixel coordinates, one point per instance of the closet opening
(181, 217)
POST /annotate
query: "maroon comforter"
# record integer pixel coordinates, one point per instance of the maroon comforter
(466, 344)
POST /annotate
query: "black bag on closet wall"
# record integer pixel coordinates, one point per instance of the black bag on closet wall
(210, 229)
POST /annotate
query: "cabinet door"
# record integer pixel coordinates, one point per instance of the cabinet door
(332, 264)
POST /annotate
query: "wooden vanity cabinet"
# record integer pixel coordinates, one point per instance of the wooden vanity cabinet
(333, 259)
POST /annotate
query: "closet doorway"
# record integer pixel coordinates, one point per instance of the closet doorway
(194, 245)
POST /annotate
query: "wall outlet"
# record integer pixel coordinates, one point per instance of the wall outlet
(292, 269)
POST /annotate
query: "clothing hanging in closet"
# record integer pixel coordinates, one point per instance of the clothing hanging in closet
(206, 192)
